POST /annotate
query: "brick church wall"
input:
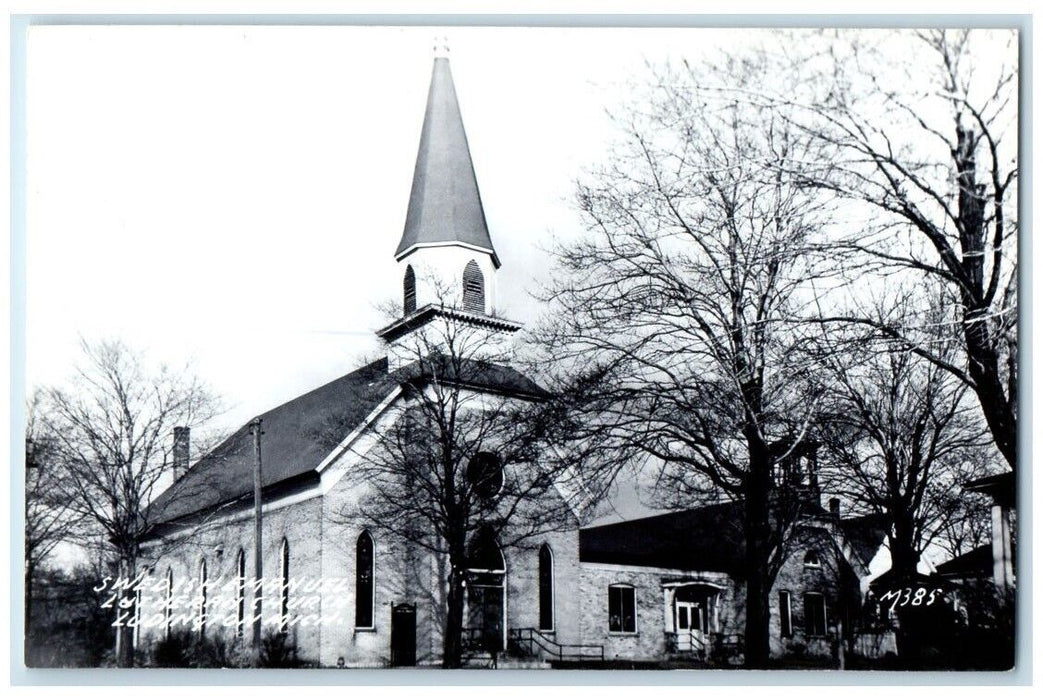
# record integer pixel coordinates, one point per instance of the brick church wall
(219, 545)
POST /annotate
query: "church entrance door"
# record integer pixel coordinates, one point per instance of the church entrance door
(403, 635)
(485, 613)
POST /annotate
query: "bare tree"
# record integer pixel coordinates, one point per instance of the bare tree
(899, 433)
(672, 321)
(455, 472)
(49, 518)
(921, 134)
(112, 429)
(967, 524)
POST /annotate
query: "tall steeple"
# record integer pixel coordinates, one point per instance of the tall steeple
(445, 207)
(446, 258)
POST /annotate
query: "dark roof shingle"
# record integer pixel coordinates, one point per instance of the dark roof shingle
(709, 538)
(700, 539)
(865, 534)
(976, 563)
(300, 433)
(295, 439)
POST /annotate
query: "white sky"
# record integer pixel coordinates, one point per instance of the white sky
(234, 195)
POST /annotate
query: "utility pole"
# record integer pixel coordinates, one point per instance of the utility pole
(255, 429)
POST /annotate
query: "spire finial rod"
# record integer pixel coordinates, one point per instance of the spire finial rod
(441, 47)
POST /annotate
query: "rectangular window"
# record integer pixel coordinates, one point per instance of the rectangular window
(785, 614)
(621, 617)
(815, 614)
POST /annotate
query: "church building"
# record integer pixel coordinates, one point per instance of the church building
(344, 591)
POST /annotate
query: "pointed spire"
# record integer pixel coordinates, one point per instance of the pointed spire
(445, 206)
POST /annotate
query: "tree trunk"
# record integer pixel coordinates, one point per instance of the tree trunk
(983, 359)
(125, 634)
(30, 571)
(904, 557)
(903, 564)
(452, 644)
(985, 371)
(758, 584)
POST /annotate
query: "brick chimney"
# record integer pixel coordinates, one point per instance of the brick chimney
(181, 451)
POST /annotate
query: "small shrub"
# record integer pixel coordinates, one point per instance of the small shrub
(218, 652)
(174, 650)
(277, 651)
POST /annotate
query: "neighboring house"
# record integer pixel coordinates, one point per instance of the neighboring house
(1001, 489)
(992, 563)
(642, 589)
(985, 574)
(673, 583)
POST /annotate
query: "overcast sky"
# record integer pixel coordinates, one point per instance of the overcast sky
(234, 195)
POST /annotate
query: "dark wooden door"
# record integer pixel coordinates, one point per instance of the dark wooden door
(403, 635)
(486, 614)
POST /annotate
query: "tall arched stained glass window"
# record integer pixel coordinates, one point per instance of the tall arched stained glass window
(202, 597)
(546, 581)
(240, 593)
(169, 612)
(284, 589)
(364, 581)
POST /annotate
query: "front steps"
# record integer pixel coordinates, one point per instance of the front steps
(503, 663)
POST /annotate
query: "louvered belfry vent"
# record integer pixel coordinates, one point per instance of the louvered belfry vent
(474, 288)
(409, 292)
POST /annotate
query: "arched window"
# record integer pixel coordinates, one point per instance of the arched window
(409, 291)
(284, 589)
(483, 552)
(474, 288)
(485, 474)
(240, 593)
(169, 612)
(364, 581)
(811, 560)
(202, 597)
(546, 580)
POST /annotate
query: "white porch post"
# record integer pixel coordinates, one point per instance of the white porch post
(668, 609)
(1002, 557)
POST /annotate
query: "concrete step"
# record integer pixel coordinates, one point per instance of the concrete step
(504, 663)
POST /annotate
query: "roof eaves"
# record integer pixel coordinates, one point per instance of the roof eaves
(403, 251)
(357, 431)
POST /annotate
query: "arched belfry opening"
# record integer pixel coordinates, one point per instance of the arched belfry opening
(409, 291)
(474, 288)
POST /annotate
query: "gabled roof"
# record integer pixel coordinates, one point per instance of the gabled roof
(294, 441)
(975, 563)
(709, 538)
(444, 204)
(701, 539)
(300, 433)
(1000, 487)
(889, 580)
(865, 534)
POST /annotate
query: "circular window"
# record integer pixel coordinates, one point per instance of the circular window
(485, 474)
